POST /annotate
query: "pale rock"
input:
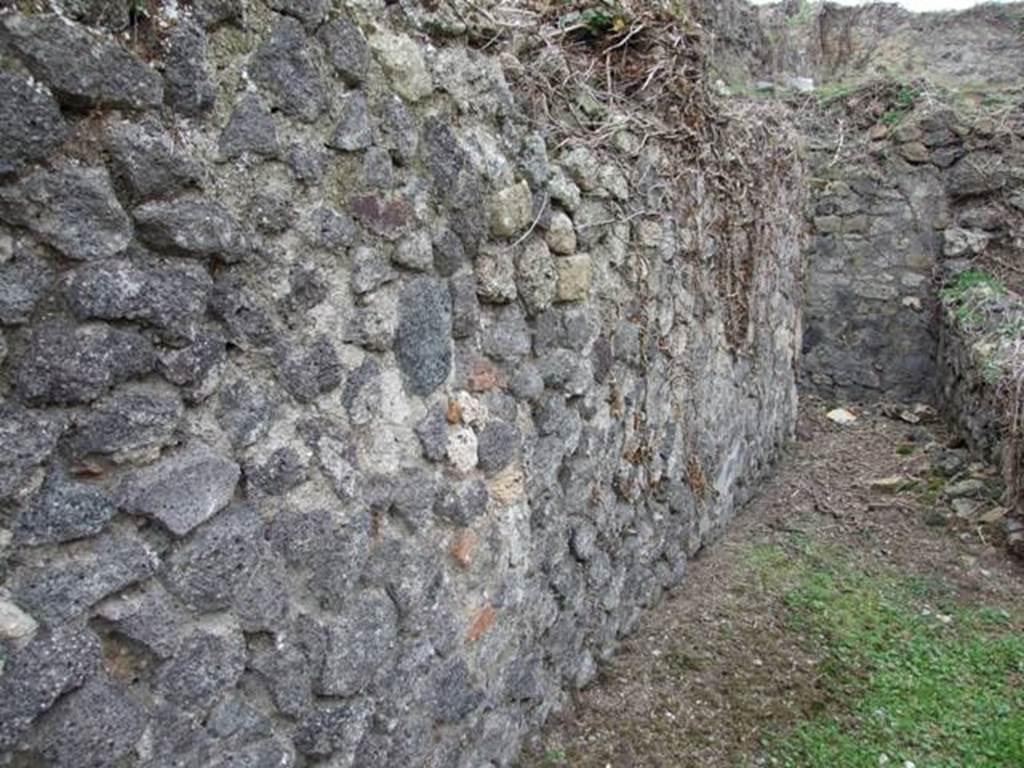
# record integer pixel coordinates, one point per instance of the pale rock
(462, 449)
(574, 273)
(404, 64)
(561, 234)
(15, 624)
(511, 210)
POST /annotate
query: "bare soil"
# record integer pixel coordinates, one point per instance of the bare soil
(717, 666)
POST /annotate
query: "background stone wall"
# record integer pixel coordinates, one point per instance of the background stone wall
(903, 192)
(346, 420)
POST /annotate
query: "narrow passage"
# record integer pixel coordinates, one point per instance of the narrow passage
(861, 611)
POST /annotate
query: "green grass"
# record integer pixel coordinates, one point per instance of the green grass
(967, 280)
(909, 672)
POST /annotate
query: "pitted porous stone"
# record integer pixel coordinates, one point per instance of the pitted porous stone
(399, 133)
(463, 503)
(359, 643)
(56, 661)
(24, 281)
(462, 449)
(403, 62)
(347, 51)
(449, 254)
(188, 88)
(69, 365)
(31, 126)
(432, 431)
(283, 470)
(228, 565)
(63, 510)
(148, 616)
(27, 438)
(196, 368)
(308, 370)
(196, 228)
(207, 663)
(495, 275)
(250, 129)
(244, 412)
(183, 489)
(82, 68)
(68, 586)
(135, 421)
(336, 455)
(71, 209)
(423, 339)
(497, 446)
(145, 162)
(285, 66)
(97, 725)
(169, 296)
(335, 730)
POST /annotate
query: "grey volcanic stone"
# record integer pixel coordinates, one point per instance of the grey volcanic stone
(359, 644)
(290, 668)
(370, 270)
(56, 661)
(197, 228)
(24, 281)
(244, 412)
(211, 13)
(110, 15)
(465, 306)
(97, 725)
(507, 338)
(336, 455)
(285, 66)
(449, 255)
(463, 503)
(271, 212)
(432, 431)
(148, 616)
(398, 128)
(207, 664)
(527, 383)
(308, 370)
(361, 395)
(282, 471)
(183, 489)
(69, 365)
(82, 68)
(145, 163)
(330, 549)
(71, 209)
(66, 587)
(198, 367)
(31, 126)
(246, 314)
(354, 130)
(310, 12)
(334, 730)
(307, 164)
(170, 296)
(228, 564)
(332, 230)
(497, 446)
(133, 420)
(454, 693)
(63, 510)
(251, 129)
(188, 87)
(27, 438)
(423, 338)
(347, 50)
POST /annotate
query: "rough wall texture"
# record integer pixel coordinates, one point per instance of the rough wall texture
(343, 421)
(894, 207)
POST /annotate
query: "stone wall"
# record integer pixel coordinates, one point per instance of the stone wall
(900, 192)
(346, 419)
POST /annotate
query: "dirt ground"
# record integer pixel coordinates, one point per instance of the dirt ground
(716, 667)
